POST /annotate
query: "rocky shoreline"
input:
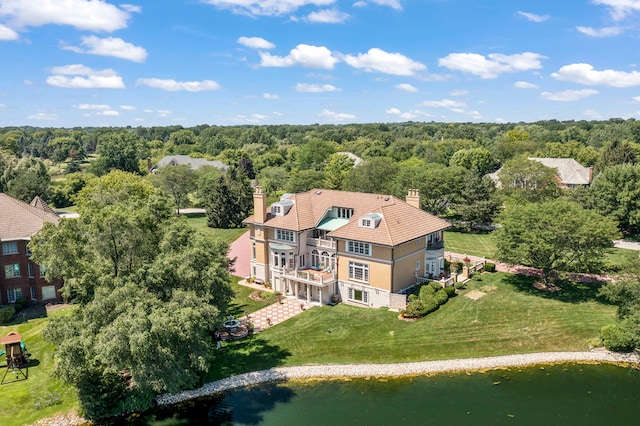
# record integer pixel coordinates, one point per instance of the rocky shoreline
(386, 370)
(281, 374)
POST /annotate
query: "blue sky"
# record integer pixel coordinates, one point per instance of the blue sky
(67, 63)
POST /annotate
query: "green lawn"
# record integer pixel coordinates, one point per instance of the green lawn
(199, 221)
(18, 399)
(241, 303)
(480, 244)
(511, 318)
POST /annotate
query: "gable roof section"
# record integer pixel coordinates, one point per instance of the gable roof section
(19, 220)
(400, 222)
(195, 163)
(569, 171)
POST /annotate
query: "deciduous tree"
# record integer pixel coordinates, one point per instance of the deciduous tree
(556, 235)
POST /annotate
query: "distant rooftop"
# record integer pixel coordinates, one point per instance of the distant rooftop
(569, 171)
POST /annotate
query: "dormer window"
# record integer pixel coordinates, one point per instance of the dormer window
(371, 220)
(344, 213)
(281, 208)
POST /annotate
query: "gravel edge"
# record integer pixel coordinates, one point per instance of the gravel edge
(386, 370)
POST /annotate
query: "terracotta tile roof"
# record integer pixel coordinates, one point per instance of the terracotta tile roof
(400, 222)
(20, 220)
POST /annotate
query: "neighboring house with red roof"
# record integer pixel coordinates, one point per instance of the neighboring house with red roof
(19, 276)
(362, 247)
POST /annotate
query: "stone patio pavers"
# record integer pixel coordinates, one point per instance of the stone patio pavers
(275, 314)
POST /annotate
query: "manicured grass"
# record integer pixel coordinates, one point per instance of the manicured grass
(241, 303)
(511, 318)
(18, 399)
(473, 244)
(199, 221)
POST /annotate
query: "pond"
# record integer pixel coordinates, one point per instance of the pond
(558, 394)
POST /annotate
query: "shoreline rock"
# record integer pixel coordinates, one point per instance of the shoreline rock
(394, 370)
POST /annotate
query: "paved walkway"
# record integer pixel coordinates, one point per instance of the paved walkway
(275, 314)
(629, 245)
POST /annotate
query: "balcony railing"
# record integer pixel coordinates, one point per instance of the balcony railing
(310, 276)
(435, 245)
(321, 243)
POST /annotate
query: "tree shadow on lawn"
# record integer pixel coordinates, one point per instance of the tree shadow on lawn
(243, 356)
(570, 291)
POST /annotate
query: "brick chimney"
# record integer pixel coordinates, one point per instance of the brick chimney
(259, 205)
(413, 198)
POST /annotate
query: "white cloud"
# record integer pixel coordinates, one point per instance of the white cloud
(43, 116)
(533, 17)
(459, 93)
(405, 87)
(90, 15)
(587, 75)
(2, 106)
(266, 8)
(394, 4)
(327, 16)
(270, 96)
(336, 116)
(7, 33)
(110, 46)
(445, 103)
(127, 108)
(407, 115)
(593, 114)
(360, 4)
(524, 85)
(316, 88)
(602, 32)
(109, 113)
(171, 85)
(387, 63)
(302, 55)
(619, 9)
(256, 43)
(94, 107)
(164, 113)
(568, 95)
(84, 78)
(494, 65)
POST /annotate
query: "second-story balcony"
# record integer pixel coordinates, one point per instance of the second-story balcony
(310, 276)
(321, 243)
(435, 245)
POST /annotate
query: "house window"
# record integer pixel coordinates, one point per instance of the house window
(359, 271)
(284, 235)
(255, 271)
(366, 223)
(358, 247)
(34, 293)
(10, 247)
(418, 265)
(253, 250)
(43, 269)
(276, 210)
(345, 213)
(30, 266)
(358, 295)
(12, 270)
(315, 259)
(14, 294)
(275, 259)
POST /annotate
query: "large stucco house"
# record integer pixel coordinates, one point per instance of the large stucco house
(19, 275)
(363, 247)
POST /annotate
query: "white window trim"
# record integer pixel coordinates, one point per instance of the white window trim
(285, 235)
(13, 275)
(352, 293)
(353, 266)
(14, 294)
(358, 247)
(13, 245)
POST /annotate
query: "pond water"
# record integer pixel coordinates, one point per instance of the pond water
(553, 395)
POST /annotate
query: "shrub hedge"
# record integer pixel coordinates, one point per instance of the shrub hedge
(6, 314)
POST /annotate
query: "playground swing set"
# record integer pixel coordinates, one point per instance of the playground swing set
(16, 354)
